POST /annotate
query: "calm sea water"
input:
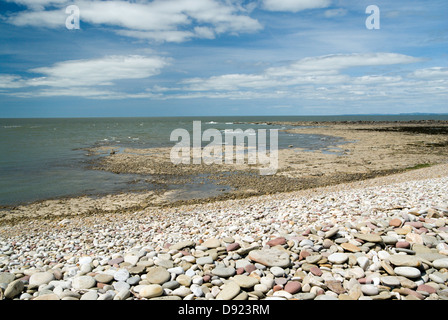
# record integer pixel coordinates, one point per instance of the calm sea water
(46, 158)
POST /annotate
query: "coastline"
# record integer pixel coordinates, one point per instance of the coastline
(370, 149)
(377, 239)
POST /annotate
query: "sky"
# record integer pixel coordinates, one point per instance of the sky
(222, 57)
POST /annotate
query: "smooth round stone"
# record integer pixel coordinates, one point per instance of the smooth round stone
(306, 242)
(171, 285)
(245, 281)
(313, 259)
(90, 295)
(121, 285)
(151, 291)
(133, 280)
(401, 260)
(338, 258)
(224, 272)
(204, 260)
(158, 275)
(40, 278)
(183, 244)
(121, 275)
(233, 246)
(270, 257)
(104, 277)
(390, 281)
(7, 277)
(14, 288)
(369, 290)
(440, 263)
(85, 260)
(369, 237)
(212, 243)
(83, 282)
(408, 272)
(293, 287)
(389, 240)
(229, 291)
(184, 280)
(277, 271)
(181, 291)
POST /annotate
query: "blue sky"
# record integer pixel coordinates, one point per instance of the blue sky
(222, 57)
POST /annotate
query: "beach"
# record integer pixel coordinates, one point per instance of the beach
(367, 220)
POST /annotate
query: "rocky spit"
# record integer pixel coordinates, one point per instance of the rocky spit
(368, 241)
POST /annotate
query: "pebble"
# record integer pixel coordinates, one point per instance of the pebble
(83, 282)
(157, 275)
(408, 272)
(151, 291)
(338, 258)
(363, 244)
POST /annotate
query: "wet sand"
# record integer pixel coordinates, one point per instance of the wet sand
(374, 149)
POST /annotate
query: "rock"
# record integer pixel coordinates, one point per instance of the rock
(14, 288)
(157, 275)
(440, 263)
(204, 260)
(83, 282)
(121, 275)
(50, 296)
(229, 291)
(184, 280)
(276, 242)
(245, 281)
(350, 247)
(390, 281)
(270, 257)
(90, 295)
(335, 286)
(408, 272)
(426, 288)
(151, 291)
(183, 244)
(104, 277)
(331, 233)
(293, 287)
(7, 277)
(395, 222)
(233, 247)
(369, 289)
(224, 272)
(338, 258)
(277, 271)
(316, 271)
(369, 237)
(401, 260)
(40, 278)
(212, 243)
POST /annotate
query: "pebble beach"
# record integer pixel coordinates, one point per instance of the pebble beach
(379, 239)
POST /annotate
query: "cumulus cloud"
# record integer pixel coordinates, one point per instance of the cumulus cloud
(84, 77)
(161, 20)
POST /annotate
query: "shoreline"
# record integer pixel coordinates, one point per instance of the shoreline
(378, 239)
(375, 149)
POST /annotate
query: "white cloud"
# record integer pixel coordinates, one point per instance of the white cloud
(102, 71)
(161, 20)
(431, 73)
(295, 5)
(331, 13)
(83, 77)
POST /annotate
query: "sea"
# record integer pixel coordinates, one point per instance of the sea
(47, 158)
